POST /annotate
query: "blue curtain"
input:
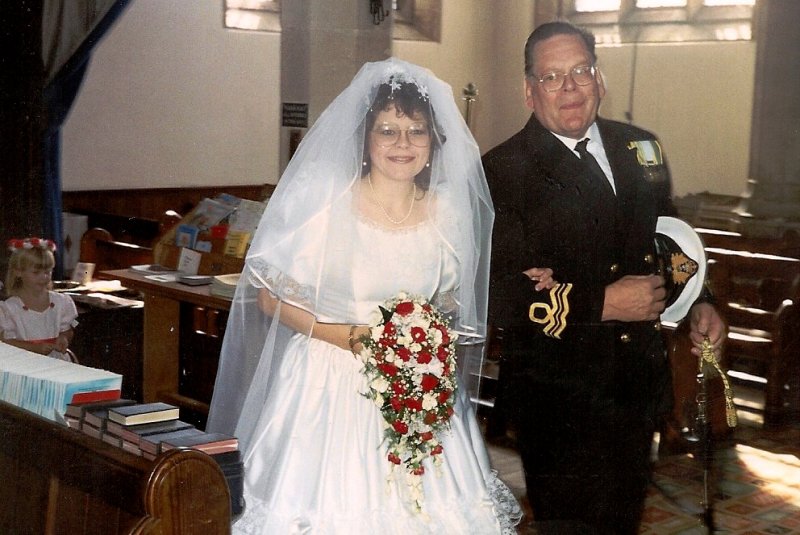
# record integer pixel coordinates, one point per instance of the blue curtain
(58, 97)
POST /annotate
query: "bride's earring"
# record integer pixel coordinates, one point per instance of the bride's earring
(364, 163)
(427, 164)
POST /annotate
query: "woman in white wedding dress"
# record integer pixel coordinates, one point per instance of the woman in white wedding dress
(385, 194)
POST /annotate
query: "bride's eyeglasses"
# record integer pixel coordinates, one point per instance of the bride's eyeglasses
(387, 134)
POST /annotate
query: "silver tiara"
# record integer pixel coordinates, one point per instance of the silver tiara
(395, 75)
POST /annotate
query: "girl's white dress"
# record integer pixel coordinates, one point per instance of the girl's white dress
(21, 323)
(317, 463)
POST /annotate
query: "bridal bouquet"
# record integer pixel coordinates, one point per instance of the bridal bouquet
(409, 360)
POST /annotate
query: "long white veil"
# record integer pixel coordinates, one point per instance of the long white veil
(311, 268)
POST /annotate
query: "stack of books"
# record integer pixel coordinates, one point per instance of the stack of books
(91, 417)
(224, 285)
(148, 429)
(46, 386)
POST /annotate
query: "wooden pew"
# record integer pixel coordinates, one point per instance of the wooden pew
(58, 480)
(757, 293)
(99, 247)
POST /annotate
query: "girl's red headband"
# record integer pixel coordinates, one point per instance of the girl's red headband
(31, 243)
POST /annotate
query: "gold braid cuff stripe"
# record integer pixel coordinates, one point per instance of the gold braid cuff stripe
(555, 313)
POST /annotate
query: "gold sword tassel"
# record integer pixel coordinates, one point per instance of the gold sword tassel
(707, 357)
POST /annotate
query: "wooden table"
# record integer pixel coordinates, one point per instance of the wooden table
(161, 344)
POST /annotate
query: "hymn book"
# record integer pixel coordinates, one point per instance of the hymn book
(144, 413)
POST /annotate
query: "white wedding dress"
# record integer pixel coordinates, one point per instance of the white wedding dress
(317, 464)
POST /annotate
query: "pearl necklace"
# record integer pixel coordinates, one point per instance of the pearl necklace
(386, 213)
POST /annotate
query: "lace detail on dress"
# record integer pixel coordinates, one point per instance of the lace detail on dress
(509, 513)
(458, 517)
(281, 285)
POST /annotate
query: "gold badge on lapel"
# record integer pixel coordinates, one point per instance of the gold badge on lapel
(650, 157)
(648, 152)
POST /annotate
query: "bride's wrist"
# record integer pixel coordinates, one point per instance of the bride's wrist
(353, 339)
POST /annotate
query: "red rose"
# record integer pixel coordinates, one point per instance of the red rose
(387, 341)
(400, 427)
(424, 357)
(414, 404)
(429, 382)
(394, 458)
(449, 411)
(405, 308)
(396, 403)
(437, 449)
(443, 396)
(426, 436)
(418, 334)
(430, 418)
(445, 335)
(427, 307)
(441, 353)
(388, 328)
(388, 368)
(404, 354)
(398, 388)
(418, 471)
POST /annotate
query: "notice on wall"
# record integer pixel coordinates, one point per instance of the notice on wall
(294, 114)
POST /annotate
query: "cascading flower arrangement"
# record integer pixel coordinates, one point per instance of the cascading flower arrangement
(409, 360)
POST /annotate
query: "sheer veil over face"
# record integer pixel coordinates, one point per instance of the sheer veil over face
(313, 248)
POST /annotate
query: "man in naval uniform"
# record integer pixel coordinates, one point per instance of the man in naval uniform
(589, 375)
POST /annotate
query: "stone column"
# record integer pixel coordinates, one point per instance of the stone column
(772, 206)
(323, 44)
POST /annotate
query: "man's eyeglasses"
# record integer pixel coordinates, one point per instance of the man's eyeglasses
(387, 134)
(553, 81)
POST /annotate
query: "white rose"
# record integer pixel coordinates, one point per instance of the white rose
(437, 337)
(435, 367)
(380, 384)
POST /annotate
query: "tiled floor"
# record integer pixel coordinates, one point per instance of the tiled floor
(749, 432)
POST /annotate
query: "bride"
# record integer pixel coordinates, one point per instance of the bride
(385, 194)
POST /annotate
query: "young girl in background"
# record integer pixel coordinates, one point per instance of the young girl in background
(34, 317)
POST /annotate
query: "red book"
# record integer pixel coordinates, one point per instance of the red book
(210, 443)
(152, 443)
(95, 395)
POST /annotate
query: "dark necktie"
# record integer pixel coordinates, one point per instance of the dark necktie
(592, 164)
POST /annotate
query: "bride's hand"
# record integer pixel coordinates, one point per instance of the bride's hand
(544, 276)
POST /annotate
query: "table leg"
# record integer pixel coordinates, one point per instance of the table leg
(161, 346)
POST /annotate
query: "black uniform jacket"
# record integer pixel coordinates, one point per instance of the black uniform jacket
(550, 212)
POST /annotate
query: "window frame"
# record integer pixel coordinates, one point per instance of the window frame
(412, 20)
(267, 13)
(694, 22)
(417, 20)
